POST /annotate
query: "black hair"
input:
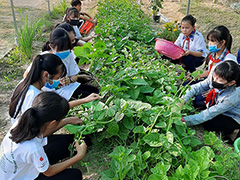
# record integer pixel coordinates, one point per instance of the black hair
(58, 38)
(47, 62)
(192, 20)
(229, 70)
(76, 2)
(71, 12)
(220, 33)
(46, 107)
(66, 26)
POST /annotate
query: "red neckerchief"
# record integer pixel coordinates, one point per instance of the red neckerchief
(188, 39)
(211, 97)
(214, 61)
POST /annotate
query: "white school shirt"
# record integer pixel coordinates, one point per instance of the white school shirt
(32, 92)
(77, 32)
(72, 69)
(229, 56)
(22, 161)
(196, 40)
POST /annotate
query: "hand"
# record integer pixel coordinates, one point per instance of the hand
(81, 149)
(189, 78)
(74, 120)
(204, 94)
(84, 77)
(92, 97)
(65, 81)
(187, 52)
(95, 22)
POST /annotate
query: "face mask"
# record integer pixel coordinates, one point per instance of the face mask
(218, 85)
(74, 22)
(53, 85)
(213, 48)
(62, 54)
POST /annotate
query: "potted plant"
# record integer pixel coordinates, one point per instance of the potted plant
(170, 31)
(155, 5)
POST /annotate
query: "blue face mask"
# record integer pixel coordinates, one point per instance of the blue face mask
(53, 85)
(213, 48)
(62, 54)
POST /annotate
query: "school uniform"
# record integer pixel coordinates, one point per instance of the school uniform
(195, 42)
(213, 62)
(226, 107)
(29, 159)
(24, 160)
(32, 92)
(72, 69)
(238, 56)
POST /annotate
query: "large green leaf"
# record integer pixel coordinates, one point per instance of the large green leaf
(139, 81)
(154, 139)
(113, 128)
(128, 123)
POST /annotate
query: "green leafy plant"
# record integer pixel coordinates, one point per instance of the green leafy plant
(138, 110)
(170, 31)
(60, 9)
(26, 34)
(156, 4)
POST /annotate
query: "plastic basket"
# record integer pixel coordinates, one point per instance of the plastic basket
(237, 145)
(86, 27)
(168, 49)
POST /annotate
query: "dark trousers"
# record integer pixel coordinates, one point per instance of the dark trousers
(191, 62)
(83, 91)
(221, 123)
(56, 150)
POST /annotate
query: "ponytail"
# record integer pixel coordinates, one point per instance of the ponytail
(46, 46)
(46, 62)
(220, 33)
(46, 107)
(58, 39)
(229, 43)
(27, 127)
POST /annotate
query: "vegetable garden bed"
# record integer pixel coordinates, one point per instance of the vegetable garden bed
(138, 110)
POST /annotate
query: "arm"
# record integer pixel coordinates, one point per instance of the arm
(51, 128)
(197, 89)
(59, 167)
(204, 74)
(88, 19)
(86, 14)
(87, 99)
(213, 111)
(194, 53)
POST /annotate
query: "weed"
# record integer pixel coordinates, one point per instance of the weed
(26, 34)
(60, 9)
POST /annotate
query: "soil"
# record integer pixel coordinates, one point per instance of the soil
(206, 20)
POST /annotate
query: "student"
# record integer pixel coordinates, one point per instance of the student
(78, 5)
(238, 56)
(193, 43)
(75, 41)
(60, 44)
(72, 17)
(22, 154)
(46, 70)
(219, 45)
(223, 100)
